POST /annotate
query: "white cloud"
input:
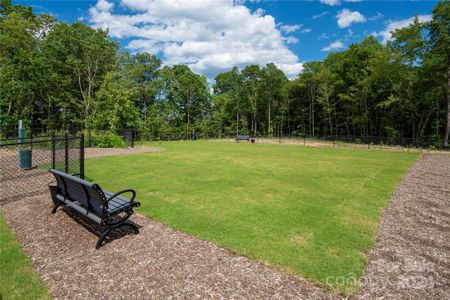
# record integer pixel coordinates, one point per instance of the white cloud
(377, 16)
(292, 69)
(306, 30)
(346, 17)
(336, 45)
(291, 40)
(349, 34)
(323, 36)
(391, 26)
(103, 5)
(331, 2)
(182, 33)
(290, 28)
(337, 2)
(320, 15)
(260, 12)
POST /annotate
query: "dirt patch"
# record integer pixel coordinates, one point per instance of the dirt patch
(314, 142)
(157, 263)
(411, 258)
(302, 240)
(299, 142)
(96, 152)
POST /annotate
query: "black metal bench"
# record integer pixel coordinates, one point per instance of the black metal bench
(108, 210)
(247, 138)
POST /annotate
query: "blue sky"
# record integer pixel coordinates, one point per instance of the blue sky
(213, 35)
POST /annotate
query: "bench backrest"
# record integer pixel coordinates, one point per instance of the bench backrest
(243, 137)
(88, 194)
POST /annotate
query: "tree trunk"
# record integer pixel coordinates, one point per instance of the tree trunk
(447, 129)
(329, 113)
(313, 99)
(9, 108)
(237, 122)
(310, 111)
(269, 131)
(187, 125)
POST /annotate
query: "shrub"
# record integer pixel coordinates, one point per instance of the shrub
(106, 139)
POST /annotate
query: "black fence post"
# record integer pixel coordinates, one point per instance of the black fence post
(53, 152)
(31, 141)
(66, 153)
(82, 155)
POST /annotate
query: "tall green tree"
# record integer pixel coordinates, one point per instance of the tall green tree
(409, 42)
(18, 52)
(439, 54)
(144, 70)
(252, 77)
(114, 107)
(230, 85)
(188, 95)
(274, 94)
(78, 58)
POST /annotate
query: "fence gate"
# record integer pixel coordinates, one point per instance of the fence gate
(24, 163)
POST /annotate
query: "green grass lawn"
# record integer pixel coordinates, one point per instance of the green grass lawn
(309, 211)
(17, 279)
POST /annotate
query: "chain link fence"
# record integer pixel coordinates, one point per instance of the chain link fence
(24, 163)
(356, 141)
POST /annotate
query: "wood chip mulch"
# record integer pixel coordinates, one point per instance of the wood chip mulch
(411, 258)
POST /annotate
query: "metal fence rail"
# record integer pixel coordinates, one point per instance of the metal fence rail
(128, 136)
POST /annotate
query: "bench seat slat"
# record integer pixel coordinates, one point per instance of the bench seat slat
(117, 203)
(116, 200)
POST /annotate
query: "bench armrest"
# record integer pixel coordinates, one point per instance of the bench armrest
(123, 192)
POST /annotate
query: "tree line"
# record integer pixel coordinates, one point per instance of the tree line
(53, 74)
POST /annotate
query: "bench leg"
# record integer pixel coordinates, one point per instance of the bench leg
(103, 236)
(107, 231)
(56, 207)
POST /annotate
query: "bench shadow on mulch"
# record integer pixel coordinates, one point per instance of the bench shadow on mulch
(95, 228)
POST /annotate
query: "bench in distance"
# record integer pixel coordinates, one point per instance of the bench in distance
(247, 138)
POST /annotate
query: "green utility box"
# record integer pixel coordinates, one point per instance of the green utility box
(25, 159)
